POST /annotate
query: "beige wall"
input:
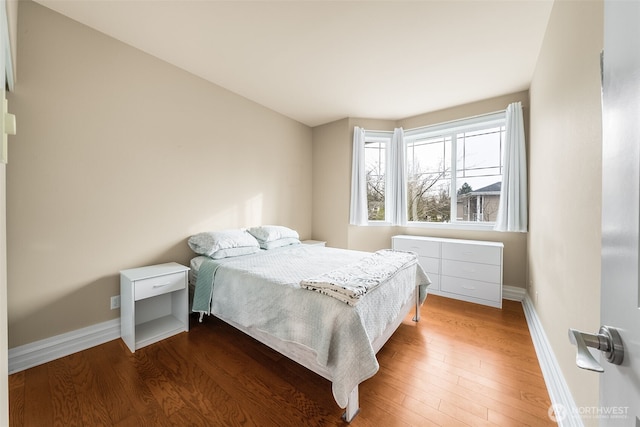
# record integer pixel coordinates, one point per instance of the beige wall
(332, 151)
(331, 167)
(565, 184)
(485, 106)
(118, 159)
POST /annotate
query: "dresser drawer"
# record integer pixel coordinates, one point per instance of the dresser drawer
(430, 265)
(145, 288)
(421, 247)
(471, 288)
(471, 270)
(472, 253)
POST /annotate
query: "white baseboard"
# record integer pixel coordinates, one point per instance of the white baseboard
(513, 293)
(43, 351)
(566, 411)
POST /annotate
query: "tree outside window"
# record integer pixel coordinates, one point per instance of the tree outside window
(375, 167)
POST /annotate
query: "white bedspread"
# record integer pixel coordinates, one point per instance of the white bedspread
(262, 291)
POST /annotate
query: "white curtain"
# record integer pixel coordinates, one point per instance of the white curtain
(358, 212)
(396, 202)
(512, 212)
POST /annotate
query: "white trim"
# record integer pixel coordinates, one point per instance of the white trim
(43, 351)
(456, 225)
(377, 136)
(455, 126)
(513, 293)
(557, 387)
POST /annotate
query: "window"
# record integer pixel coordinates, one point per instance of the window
(375, 159)
(454, 171)
(429, 179)
(479, 174)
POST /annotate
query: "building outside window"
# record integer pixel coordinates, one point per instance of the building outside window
(479, 205)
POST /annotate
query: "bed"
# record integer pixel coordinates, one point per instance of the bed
(271, 294)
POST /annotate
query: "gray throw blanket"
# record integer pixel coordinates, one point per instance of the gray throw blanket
(351, 282)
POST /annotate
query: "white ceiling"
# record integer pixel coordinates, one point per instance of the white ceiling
(319, 61)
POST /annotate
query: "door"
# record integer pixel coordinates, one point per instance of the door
(620, 296)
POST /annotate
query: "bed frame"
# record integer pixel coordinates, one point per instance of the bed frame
(307, 358)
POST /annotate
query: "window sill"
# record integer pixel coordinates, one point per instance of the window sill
(453, 225)
(438, 225)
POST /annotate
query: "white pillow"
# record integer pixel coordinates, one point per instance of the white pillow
(222, 244)
(269, 233)
(226, 253)
(279, 243)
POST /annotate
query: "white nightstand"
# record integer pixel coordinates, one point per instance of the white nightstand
(154, 303)
(313, 242)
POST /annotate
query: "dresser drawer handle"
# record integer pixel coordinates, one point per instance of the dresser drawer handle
(470, 288)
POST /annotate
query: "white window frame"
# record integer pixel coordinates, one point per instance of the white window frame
(385, 138)
(452, 128)
(440, 129)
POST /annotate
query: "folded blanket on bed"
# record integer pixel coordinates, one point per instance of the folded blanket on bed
(350, 283)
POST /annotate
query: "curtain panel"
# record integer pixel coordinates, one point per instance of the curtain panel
(512, 211)
(397, 179)
(358, 214)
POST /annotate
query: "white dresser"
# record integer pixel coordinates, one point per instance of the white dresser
(469, 270)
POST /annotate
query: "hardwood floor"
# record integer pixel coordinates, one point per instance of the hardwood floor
(461, 365)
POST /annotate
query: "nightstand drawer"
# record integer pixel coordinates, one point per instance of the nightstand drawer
(153, 286)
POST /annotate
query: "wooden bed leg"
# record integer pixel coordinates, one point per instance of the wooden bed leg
(353, 407)
(416, 318)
